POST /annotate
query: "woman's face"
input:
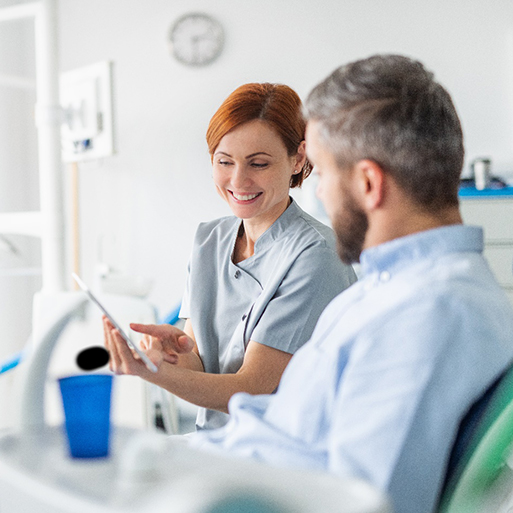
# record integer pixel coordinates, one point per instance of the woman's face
(252, 171)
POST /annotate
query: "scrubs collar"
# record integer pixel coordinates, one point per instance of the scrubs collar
(279, 226)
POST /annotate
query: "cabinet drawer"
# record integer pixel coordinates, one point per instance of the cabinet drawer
(500, 259)
(494, 215)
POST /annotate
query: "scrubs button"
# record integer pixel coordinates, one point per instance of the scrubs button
(237, 274)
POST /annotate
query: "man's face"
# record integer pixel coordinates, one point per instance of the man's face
(334, 189)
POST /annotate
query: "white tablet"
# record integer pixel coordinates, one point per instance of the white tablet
(149, 364)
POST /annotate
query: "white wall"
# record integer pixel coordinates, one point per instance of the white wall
(146, 202)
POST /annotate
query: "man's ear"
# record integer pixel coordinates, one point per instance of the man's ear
(371, 183)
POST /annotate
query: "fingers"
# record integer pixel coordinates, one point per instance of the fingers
(107, 337)
(173, 340)
(170, 357)
(115, 361)
(153, 344)
(160, 343)
(145, 342)
(110, 344)
(122, 359)
(155, 330)
(186, 344)
(157, 357)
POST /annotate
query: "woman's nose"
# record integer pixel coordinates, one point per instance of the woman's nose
(240, 178)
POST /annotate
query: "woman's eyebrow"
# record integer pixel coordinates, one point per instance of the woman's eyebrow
(258, 153)
(247, 157)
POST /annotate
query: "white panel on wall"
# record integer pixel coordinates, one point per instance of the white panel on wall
(19, 256)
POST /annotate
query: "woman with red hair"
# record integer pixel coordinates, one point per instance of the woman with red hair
(258, 280)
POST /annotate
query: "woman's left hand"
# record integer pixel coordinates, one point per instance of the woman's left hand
(124, 360)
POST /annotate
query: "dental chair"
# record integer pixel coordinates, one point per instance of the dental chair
(479, 476)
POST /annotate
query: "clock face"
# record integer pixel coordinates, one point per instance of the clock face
(196, 39)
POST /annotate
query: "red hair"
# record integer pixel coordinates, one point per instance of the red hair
(276, 104)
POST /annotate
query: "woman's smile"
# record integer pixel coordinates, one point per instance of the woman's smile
(245, 197)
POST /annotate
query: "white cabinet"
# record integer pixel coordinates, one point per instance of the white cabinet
(495, 215)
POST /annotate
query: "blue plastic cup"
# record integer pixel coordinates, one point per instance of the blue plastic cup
(86, 400)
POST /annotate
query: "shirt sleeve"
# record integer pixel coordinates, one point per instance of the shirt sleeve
(316, 276)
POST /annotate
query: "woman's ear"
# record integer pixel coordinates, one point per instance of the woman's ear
(300, 156)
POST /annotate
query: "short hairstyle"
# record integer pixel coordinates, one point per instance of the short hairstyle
(276, 104)
(389, 109)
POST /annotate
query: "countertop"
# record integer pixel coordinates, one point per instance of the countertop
(472, 192)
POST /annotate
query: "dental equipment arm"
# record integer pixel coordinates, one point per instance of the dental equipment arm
(32, 418)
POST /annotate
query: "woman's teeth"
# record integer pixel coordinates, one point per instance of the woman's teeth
(240, 197)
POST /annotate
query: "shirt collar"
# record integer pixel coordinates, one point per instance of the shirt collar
(404, 251)
(279, 226)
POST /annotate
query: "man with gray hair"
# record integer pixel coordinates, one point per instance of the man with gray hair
(397, 359)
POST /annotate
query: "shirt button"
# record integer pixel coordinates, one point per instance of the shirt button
(384, 276)
(237, 274)
(244, 317)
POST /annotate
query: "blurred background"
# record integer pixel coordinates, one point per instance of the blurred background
(139, 208)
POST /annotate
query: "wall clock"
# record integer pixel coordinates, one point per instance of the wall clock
(196, 39)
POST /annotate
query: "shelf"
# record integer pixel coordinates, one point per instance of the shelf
(15, 82)
(19, 12)
(20, 271)
(22, 223)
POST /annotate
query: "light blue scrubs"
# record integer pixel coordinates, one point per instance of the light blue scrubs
(274, 297)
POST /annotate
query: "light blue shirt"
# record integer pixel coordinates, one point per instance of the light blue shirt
(275, 297)
(392, 367)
